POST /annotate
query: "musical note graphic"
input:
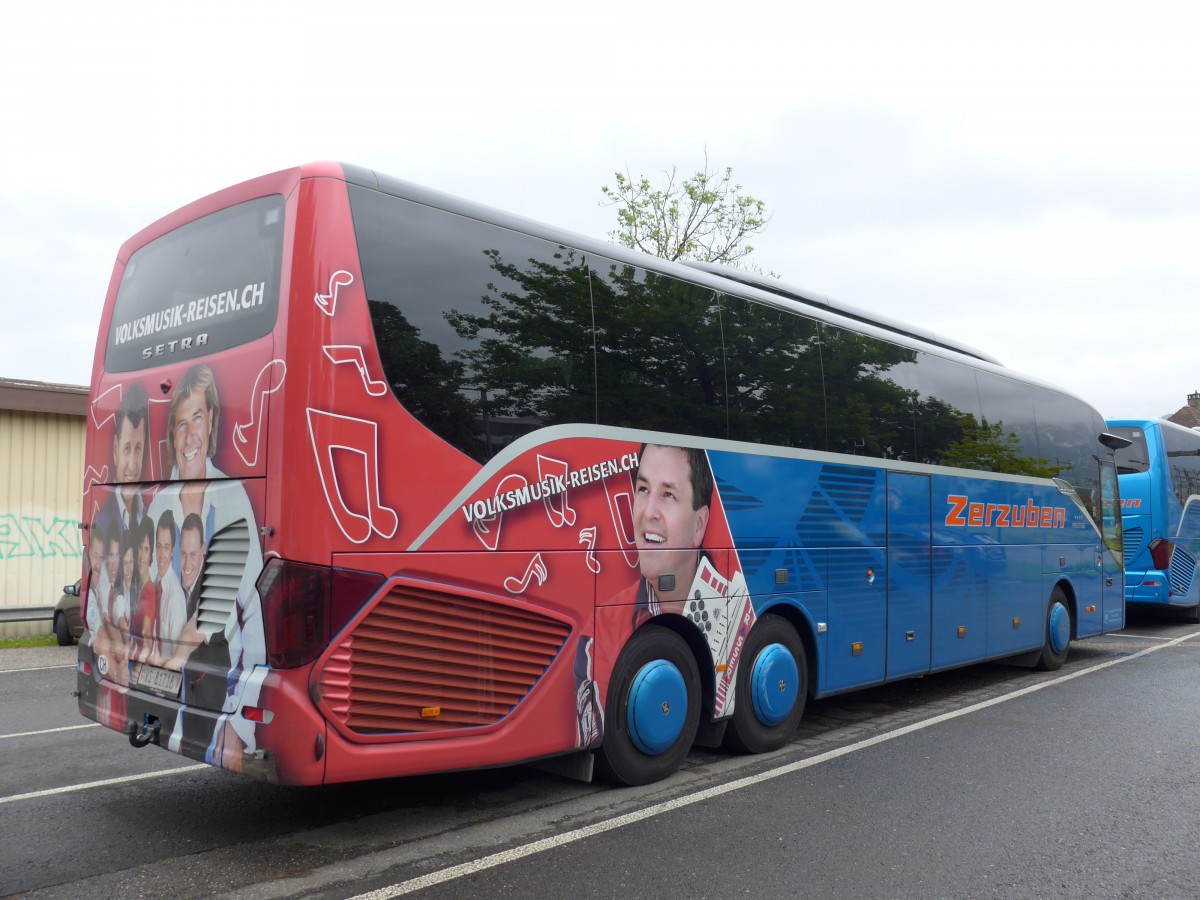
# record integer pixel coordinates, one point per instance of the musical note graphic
(558, 510)
(102, 403)
(588, 536)
(483, 526)
(327, 303)
(361, 438)
(91, 477)
(346, 353)
(247, 436)
(535, 569)
(620, 507)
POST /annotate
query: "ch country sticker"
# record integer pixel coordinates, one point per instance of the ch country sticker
(963, 513)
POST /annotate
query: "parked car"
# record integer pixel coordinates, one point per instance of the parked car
(67, 624)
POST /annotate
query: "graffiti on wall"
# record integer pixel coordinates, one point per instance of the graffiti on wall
(38, 537)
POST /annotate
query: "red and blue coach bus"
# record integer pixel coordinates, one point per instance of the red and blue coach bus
(1159, 474)
(382, 482)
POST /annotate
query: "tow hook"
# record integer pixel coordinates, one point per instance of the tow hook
(140, 737)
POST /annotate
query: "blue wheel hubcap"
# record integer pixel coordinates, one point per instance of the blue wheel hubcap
(658, 702)
(774, 684)
(1060, 628)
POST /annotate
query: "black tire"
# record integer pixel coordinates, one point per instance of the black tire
(62, 631)
(747, 731)
(621, 759)
(1054, 649)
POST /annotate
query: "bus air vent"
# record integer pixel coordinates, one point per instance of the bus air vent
(224, 565)
(420, 648)
(1182, 571)
(1131, 543)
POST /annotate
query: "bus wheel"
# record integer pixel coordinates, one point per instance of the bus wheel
(653, 708)
(772, 688)
(1058, 632)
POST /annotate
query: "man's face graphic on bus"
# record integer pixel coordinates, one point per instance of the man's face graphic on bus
(667, 529)
(96, 557)
(164, 549)
(191, 551)
(193, 425)
(127, 567)
(113, 560)
(129, 445)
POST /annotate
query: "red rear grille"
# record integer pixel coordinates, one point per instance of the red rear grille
(425, 661)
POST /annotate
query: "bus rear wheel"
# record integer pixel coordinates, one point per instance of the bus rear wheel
(653, 708)
(772, 688)
(1058, 632)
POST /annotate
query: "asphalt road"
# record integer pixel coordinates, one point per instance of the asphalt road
(990, 781)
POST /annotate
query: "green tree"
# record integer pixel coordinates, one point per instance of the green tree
(989, 447)
(705, 218)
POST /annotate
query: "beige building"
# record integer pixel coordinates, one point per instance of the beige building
(41, 494)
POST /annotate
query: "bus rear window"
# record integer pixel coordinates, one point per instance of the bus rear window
(205, 287)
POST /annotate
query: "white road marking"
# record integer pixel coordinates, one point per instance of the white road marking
(49, 730)
(88, 785)
(1140, 637)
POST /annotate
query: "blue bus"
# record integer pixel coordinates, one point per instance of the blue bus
(1159, 476)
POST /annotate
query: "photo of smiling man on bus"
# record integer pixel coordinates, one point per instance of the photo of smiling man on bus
(675, 508)
(126, 506)
(671, 510)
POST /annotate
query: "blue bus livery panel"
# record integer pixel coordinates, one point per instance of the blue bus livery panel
(901, 572)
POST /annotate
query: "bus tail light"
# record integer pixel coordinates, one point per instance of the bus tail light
(304, 606)
(1160, 553)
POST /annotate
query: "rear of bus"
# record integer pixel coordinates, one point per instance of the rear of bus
(1159, 532)
(174, 652)
(252, 487)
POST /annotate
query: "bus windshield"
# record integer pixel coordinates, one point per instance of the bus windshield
(1135, 457)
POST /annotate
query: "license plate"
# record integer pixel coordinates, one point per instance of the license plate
(160, 681)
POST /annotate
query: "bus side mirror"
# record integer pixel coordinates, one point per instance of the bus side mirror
(1114, 441)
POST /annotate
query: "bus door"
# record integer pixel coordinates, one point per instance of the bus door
(1112, 563)
(909, 558)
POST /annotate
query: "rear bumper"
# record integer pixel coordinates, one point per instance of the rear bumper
(1155, 593)
(204, 735)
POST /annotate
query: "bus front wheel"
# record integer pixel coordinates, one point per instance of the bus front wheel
(653, 708)
(772, 687)
(1058, 632)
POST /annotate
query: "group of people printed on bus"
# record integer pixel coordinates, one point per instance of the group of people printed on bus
(139, 602)
(147, 551)
(146, 554)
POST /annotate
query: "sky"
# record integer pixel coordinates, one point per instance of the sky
(1020, 176)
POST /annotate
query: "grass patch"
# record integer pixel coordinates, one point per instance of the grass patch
(41, 640)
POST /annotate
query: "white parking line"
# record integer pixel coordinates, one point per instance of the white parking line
(1141, 637)
(88, 785)
(33, 669)
(49, 730)
(579, 834)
